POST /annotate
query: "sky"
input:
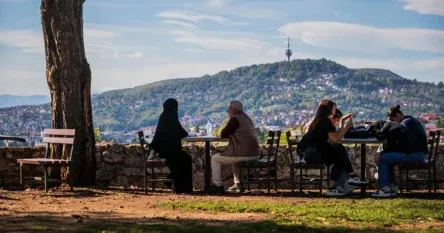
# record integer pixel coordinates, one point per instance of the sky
(135, 42)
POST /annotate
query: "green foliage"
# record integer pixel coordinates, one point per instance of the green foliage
(266, 90)
(98, 135)
(440, 123)
(224, 123)
(196, 129)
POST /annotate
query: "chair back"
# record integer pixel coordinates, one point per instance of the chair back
(144, 141)
(59, 137)
(433, 141)
(293, 142)
(272, 142)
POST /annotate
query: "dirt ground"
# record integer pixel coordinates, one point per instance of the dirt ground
(95, 206)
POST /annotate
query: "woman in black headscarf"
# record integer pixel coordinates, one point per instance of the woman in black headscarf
(167, 143)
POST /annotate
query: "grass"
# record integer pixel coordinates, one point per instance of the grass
(337, 213)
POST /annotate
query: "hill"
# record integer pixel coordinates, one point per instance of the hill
(17, 100)
(281, 93)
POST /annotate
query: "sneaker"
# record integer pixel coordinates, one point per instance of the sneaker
(382, 193)
(235, 188)
(336, 192)
(394, 190)
(350, 188)
(356, 181)
(215, 190)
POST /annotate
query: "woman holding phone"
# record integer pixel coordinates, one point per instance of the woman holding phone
(321, 145)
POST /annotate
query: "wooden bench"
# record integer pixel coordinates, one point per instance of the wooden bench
(52, 137)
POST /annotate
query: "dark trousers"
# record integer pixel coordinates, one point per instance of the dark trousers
(330, 154)
(180, 166)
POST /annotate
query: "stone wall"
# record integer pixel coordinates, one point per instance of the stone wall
(121, 165)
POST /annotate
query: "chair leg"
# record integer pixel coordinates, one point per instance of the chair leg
(320, 180)
(269, 180)
(328, 174)
(401, 182)
(144, 178)
(300, 180)
(292, 179)
(153, 177)
(248, 178)
(435, 183)
(407, 181)
(429, 181)
(241, 179)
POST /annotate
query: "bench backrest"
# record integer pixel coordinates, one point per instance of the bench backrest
(64, 137)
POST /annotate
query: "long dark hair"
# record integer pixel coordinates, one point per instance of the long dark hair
(325, 109)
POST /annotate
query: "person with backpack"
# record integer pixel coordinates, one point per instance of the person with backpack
(405, 141)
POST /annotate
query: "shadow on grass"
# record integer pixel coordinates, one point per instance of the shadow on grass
(48, 223)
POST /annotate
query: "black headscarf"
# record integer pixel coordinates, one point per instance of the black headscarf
(169, 131)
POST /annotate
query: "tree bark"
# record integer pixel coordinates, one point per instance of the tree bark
(69, 79)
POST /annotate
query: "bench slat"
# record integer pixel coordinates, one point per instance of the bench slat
(59, 132)
(57, 140)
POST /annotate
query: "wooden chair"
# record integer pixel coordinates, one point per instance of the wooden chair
(265, 168)
(53, 137)
(300, 165)
(429, 165)
(152, 162)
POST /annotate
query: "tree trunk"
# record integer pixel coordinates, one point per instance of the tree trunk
(69, 79)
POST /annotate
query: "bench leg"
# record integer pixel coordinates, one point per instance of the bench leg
(45, 178)
(21, 176)
(71, 176)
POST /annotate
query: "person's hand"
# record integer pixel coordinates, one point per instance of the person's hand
(349, 124)
(377, 157)
(347, 116)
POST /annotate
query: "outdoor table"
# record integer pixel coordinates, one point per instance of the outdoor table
(363, 142)
(11, 138)
(207, 140)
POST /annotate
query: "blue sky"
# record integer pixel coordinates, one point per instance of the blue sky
(135, 42)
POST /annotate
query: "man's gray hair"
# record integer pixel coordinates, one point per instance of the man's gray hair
(236, 104)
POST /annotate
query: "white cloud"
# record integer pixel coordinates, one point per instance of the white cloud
(217, 43)
(180, 23)
(23, 82)
(217, 3)
(355, 37)
(97, 41)
(106, 4)
(135, 55)
(27, 40)
(425, 7)
(192, 50)
(190, 16)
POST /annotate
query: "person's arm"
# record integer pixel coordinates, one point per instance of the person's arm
(231, 127)
(336, 137)
(306, 126)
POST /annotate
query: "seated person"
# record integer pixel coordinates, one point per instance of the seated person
(167, 142)
(405, 141)
(319, 146)
(243, 146)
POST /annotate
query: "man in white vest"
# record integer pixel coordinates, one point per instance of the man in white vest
(243, 146)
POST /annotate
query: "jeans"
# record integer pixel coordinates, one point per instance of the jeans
(216, 164)
(387, 161)
(336, 155)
